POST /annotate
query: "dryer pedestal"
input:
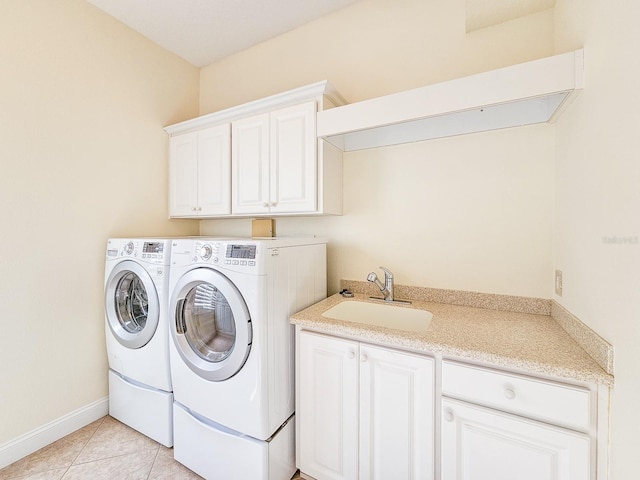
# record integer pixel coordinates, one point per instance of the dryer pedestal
(145, 409)
(213, 451)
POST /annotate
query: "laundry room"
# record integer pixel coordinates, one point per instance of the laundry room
(88, 104)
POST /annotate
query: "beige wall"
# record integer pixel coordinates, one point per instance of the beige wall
(470, 213)
(83, 100)
(373, 48)
(597, 226)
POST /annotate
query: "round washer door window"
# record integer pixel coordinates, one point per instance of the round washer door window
(212, 327)
(132, 305)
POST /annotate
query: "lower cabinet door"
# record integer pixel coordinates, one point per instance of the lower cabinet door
(396, 415)
(479, 444)
(327, 408)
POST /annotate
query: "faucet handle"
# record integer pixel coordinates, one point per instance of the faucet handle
(387, 272)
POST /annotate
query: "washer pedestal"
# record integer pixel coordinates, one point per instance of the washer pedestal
(145, 409)
(213, 451)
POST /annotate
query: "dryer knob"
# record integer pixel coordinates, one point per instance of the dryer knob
(128, 248)
(205, 252)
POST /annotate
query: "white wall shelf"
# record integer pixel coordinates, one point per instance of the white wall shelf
(523, 94)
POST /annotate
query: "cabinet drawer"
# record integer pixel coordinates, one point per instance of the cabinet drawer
(557, 403)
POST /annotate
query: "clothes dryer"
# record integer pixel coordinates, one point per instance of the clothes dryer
(136, 328)
(231, 351)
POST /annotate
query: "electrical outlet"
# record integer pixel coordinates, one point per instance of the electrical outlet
(559, 282)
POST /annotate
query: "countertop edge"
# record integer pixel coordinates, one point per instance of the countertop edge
(311, 318)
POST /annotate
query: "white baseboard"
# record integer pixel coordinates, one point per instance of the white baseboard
(41, 437)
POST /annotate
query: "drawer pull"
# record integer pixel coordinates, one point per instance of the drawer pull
(509, 393)
(448, 416)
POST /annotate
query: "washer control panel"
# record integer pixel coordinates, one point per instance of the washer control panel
(152, 251)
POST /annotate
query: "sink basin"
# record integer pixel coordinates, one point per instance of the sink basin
(381, 315)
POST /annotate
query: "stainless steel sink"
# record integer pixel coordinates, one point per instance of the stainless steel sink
(381, 315)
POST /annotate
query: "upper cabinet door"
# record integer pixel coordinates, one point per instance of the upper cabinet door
(250, 165)
(214, 170)
(200, 173)
(293, 169)
(183, 171)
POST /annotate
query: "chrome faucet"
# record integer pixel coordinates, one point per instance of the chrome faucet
(387, 288)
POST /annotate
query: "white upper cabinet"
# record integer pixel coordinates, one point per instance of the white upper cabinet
(293, 170)
(524, 94)
(250, 164)
(272, 164)
(200, 173)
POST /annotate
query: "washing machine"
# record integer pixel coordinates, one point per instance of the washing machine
(137, 335)
(231, 351)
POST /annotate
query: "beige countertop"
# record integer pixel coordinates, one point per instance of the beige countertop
(522, 341)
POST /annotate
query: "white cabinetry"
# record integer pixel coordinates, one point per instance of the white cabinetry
(268, 160)
(521, 435)
(327, 407)
(363, 411)
(274, 162)
(200, 173)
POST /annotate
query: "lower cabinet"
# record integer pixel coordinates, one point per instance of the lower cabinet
(479, 443)
(363, 411)
(504, 426)
(366, 412)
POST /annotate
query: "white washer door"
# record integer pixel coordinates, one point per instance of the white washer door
(132, 305)
(211, 326)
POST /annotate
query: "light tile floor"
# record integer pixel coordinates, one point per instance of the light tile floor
(105, 449)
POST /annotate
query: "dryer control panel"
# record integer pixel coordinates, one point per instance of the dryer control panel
(240, 257)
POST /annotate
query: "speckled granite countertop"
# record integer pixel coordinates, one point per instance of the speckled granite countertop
(523, 341)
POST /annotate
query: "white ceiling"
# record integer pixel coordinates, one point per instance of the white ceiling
(205, 31)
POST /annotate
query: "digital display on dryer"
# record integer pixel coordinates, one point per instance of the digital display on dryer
(241, 251)
(153, 247)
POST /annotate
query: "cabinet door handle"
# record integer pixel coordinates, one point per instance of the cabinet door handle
(351, 355)
(265, 204)
(509, 393)
(193, 209)
(449, 416)
(364, 358)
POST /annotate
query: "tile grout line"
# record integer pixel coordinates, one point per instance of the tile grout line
(82, 449)
(153, 464)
